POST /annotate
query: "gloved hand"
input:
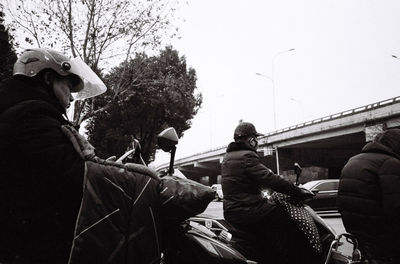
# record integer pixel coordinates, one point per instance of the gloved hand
(112, 158)
(305, 194)
(80, 144)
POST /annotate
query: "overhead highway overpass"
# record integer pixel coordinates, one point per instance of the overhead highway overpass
(321, 146)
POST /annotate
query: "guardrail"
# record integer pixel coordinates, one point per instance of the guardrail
(338, 115)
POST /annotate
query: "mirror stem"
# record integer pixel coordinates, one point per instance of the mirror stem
(171, 163)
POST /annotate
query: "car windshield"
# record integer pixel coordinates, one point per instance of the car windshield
(309, 185)
(328, 186)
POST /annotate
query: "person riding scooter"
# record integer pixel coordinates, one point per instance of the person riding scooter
(59, 202)
(275, 236)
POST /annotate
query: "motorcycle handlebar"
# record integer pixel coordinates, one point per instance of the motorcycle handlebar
(306, 195)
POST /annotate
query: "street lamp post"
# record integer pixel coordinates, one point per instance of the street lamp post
(273, 94)
(272, 79)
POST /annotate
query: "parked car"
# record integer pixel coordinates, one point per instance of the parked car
(218, 189)
(325, 195)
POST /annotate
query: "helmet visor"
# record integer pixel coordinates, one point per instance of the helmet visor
(92, 84)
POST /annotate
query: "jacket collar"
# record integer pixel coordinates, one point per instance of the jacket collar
(14, 91)
(236, 146)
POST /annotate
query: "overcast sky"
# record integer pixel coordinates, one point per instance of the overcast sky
(342, 60)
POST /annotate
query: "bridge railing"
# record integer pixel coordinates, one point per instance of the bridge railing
(317, 121)
(338, 115)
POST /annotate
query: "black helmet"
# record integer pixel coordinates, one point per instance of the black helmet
(245, 129)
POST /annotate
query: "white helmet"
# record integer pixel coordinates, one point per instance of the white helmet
(33, 61)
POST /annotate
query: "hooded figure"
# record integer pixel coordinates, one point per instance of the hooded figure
(60, 203)
(369, 197)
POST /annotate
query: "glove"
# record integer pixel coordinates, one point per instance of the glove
(304, 195)
(112, 158)
(80, 144)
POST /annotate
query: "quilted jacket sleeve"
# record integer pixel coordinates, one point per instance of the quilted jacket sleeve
(267, 178)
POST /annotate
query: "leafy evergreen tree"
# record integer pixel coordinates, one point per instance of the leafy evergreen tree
(159, 92)
(7, 52)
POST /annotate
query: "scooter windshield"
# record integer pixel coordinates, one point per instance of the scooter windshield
(92, 84)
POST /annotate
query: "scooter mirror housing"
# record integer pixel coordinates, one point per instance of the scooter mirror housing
(167, 139)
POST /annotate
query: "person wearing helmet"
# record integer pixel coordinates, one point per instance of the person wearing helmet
(59, 202)
(275, 239)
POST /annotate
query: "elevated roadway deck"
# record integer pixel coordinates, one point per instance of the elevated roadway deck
(323, 144)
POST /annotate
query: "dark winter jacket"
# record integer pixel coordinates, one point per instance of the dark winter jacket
(40, 177)
(43, 181)
(369, 196)
(243, 179)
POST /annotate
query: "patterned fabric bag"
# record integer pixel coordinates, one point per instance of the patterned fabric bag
(301, 217)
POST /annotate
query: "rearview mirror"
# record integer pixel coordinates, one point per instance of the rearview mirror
(167, 139)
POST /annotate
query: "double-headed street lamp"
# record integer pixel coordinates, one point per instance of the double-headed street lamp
(272, 79)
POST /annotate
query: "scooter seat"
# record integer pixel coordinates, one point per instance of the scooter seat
(241, 234)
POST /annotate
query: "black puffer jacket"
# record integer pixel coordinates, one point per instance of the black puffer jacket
(243, 178)
(43, 180)
(40, 176)
(369, 196)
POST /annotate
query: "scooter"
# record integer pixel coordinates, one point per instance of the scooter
(204, 239)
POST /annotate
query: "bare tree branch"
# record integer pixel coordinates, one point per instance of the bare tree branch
(95, 30)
